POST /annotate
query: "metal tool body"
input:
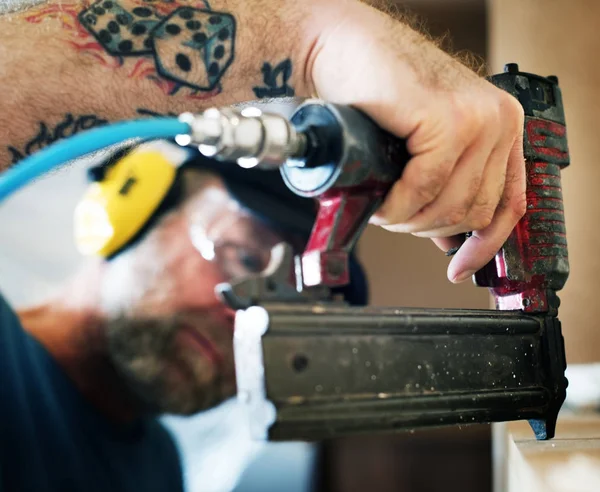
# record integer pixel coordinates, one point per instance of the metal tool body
(310, 370)
(311, 367)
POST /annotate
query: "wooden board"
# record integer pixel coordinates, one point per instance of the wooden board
(568, 463)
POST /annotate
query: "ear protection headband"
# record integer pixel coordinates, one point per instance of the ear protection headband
(125, 193)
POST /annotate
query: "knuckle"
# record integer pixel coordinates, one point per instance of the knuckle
(494, 118)
(425, 194)
(481, 217)
(427, 184)
(513, 112)
(515, 182)
(461, 213)
(468, 118)
(473, 190)
(474, 116)
(456, 216)
(518, 205)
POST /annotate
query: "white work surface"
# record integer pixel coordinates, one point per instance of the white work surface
(568, 463)
(37, 253)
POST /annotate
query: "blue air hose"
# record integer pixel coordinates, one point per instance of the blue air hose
(77, 146)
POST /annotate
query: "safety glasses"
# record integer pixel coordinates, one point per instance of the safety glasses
(229, 236)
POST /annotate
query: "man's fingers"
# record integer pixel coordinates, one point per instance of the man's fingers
(423, 179)
(451, 210)
(480, 248)
(463, 148)
(437, 147)
(484, 206)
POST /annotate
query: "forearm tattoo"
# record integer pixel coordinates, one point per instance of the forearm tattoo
(179, 46)
(275, 80)
(68, 126)
(48, 134)
(154, 114)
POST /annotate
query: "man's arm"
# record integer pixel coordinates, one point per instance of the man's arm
(71, 66)
(114, 59)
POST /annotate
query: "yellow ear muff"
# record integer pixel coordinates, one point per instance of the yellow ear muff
(113, 210)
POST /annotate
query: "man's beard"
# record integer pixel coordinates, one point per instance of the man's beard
(175, 364)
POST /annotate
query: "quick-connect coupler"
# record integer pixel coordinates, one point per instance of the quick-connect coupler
(247, 136)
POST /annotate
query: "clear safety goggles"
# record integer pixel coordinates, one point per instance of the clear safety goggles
(230, 237)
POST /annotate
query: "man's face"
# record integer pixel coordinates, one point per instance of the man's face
(168, 334)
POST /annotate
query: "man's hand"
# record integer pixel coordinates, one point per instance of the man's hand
(467, 173)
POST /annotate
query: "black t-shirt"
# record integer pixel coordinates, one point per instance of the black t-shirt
(52, 439)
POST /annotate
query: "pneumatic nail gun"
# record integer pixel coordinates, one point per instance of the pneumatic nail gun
(310, 367)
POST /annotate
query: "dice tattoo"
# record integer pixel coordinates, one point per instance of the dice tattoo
(119, 31)
(194, 47)
(189, 46)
